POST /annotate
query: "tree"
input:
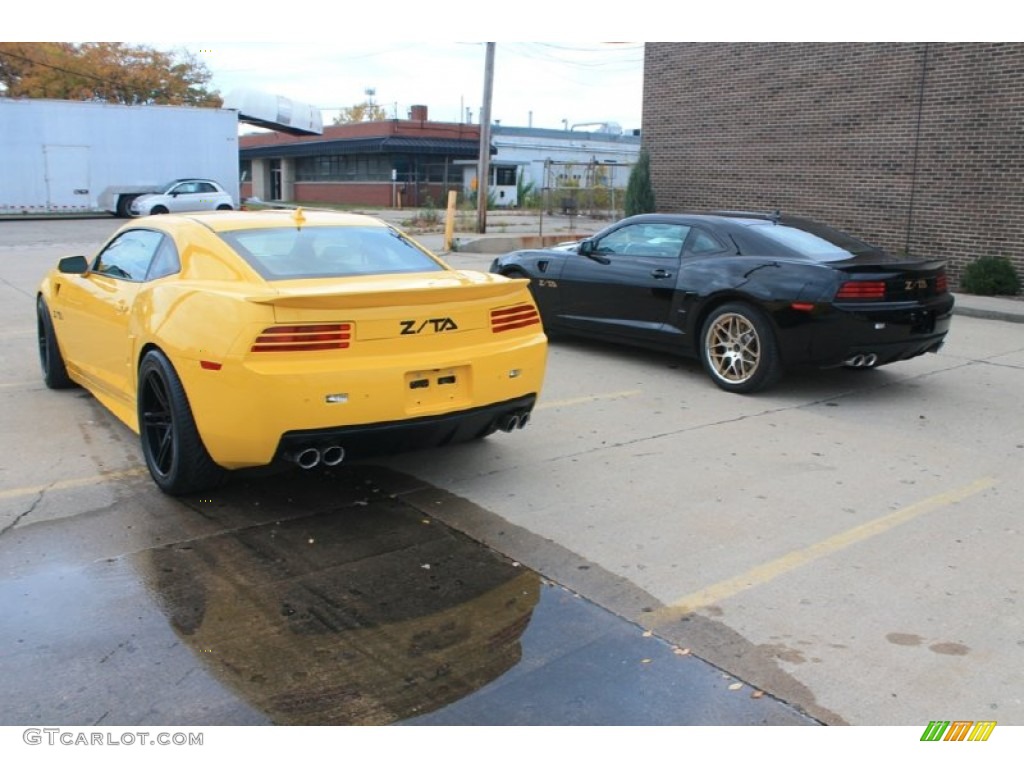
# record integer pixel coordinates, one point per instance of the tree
(367, 111)
(112, 72)
(639, 192)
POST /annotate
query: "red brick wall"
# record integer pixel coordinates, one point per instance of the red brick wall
(912, 146)
(375, 194)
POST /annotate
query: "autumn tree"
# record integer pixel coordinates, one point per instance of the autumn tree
(113, 72)
(366, 111)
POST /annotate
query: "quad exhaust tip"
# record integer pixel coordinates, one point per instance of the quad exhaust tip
(307, 458)
(332, 455)
(513, 421)
(862, 361)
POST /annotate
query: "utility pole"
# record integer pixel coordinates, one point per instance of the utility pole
(483, 171)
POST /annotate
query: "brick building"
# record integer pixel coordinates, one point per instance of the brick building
(385, 163)
(918, 147)
(396, 163)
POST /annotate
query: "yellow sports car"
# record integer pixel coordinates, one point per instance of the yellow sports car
(243, 339)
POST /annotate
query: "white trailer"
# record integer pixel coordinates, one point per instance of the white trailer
(65, 157)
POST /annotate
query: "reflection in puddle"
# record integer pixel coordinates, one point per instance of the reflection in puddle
(365, 617)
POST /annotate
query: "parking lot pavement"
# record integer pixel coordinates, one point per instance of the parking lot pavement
(847, 542)
(320, 600)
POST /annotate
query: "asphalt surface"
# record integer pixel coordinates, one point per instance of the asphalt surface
(325, 599)
(167, 646)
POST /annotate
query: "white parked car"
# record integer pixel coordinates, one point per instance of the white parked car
(184, 195)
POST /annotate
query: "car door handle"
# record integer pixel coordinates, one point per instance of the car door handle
(661, 274)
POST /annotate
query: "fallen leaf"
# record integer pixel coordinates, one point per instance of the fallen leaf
(681, 651)
(425, 566)
(645, 661)
(757, 694)
(735, 686)
(648, 633)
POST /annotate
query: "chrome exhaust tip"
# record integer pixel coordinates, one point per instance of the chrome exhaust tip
(508, 423)
(332, 455)
(523, 420)
(870, 360)
(308, 458)
(857, 361)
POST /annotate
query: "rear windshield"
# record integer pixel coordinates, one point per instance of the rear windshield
(814, 241)
(289, 253)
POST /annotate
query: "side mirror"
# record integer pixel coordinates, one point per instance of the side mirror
(73, 265)
(588, 248)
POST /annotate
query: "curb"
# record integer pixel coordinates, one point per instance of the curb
(989, 314)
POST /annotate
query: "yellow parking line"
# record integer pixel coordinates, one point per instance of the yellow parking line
(588, 399)
(77, 482)
(762, 574)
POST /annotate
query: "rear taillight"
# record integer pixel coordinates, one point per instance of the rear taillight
(941, 284)
(304, 338)
(861, 289)
(518, 316)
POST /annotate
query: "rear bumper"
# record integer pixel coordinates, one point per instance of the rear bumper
(366, 440)
(888, 335)
(248, 413)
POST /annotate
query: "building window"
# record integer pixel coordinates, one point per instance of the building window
(505, 175)
(408, 169)
(343, 168)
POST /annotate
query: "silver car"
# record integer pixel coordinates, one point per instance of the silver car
(184, 195)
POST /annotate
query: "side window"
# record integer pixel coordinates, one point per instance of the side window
(206, 187)
(187, 188)
(129, 256)
(702, 242)
(166, 261)
(656, 240)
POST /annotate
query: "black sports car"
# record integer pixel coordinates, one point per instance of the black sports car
(750, 294)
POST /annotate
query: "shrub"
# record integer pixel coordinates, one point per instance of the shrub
(639, 192)
(991, 276)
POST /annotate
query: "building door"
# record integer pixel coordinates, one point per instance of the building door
(67, 177)
(275, 180)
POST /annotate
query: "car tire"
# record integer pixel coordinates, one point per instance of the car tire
(738, 349)
(124, 206)
(158, 209)
(55, 373)
(171, 445)
(225, 208)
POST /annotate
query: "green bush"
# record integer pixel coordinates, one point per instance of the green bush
(639, 192)
(991, 276)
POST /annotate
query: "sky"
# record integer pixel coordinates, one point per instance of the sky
(328, 53)
(538, 84)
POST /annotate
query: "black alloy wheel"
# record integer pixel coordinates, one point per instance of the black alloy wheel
(55, 373)
(173, 450)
